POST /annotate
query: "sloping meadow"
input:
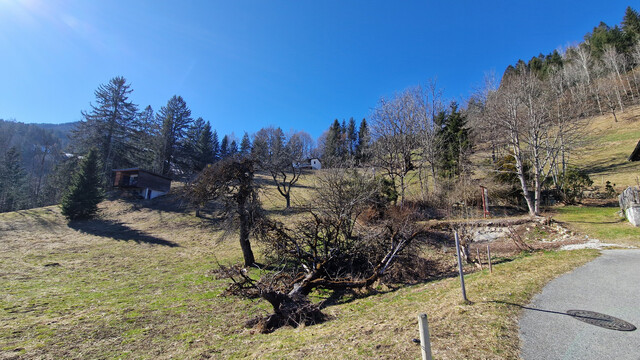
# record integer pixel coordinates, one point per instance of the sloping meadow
(138, 283)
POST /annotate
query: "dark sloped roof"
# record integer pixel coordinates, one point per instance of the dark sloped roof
(139, 169)
(635, 155)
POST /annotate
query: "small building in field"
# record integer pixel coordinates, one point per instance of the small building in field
(313, 163)
(145, 183)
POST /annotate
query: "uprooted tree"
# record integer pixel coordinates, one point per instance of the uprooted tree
(231, 182)
(348, 238)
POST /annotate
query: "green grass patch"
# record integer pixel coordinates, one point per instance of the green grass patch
(602, 223)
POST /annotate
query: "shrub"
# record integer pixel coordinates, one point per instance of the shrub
(572, 185)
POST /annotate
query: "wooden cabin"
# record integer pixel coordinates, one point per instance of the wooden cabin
(147, 184)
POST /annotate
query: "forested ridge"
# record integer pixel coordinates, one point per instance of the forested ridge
(530, 120)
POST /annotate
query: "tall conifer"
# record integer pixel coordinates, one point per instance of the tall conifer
(245, 144)
(85, 193)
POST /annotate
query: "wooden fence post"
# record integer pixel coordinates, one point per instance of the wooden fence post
(425, 342)
(489, 257)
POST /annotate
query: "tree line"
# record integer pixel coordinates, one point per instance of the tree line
(530, 119)
(28, 156)
(535, 116)
(169, 142)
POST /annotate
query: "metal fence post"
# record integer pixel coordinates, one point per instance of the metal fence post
(464, 292)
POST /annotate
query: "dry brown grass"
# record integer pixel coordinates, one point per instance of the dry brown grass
(137, 284)
(606, 147)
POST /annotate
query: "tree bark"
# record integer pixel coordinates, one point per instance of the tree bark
(245, 225)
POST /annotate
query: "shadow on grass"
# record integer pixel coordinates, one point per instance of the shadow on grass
(346, 296)
(608, 166)
(173, 203)
(597, 222)
(39, 216)
(293, 210)
(118, 231)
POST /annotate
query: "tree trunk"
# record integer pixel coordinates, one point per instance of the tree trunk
(245, 229)
(523, 182)
(402, 190)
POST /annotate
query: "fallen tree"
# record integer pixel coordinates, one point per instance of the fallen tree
(349, 237)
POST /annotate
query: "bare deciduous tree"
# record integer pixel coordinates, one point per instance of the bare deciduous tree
(521, 108)
(615, 62)
(395, 127)
(565, 112)
(281, 157)
(581, 56)
(430, 103)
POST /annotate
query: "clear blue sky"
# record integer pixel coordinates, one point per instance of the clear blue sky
(243, 65)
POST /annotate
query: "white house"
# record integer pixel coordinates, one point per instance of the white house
(313, 163)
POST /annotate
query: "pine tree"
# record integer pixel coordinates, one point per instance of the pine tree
(204, 148)
(59, 179)
(245, 144)
(363, 146)
(14, 182)
(109, 126)
(233, 148)
(260, 146)
(224, 147)
(342, 142)
(85, 193)
(277, 147)
(175, 118)
(331, 156)
(215, 143)
(190, 146)
(631, 24)
(454, 135)
(351, 138)
(146, 133)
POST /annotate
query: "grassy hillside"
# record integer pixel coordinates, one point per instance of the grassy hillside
(137, 283)
(606, 147)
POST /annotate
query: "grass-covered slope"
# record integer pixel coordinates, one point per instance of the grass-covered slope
(606, 146)
(137, 284)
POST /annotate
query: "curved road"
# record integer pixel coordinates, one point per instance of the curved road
(610, 285)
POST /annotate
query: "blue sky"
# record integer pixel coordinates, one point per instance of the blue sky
(243, 65)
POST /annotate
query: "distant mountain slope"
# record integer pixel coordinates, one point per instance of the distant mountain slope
(60, 131)
(21, 135)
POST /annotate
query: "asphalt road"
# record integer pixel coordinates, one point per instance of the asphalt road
(609, 285)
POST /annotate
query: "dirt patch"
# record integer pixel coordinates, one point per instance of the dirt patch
(509, 236)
